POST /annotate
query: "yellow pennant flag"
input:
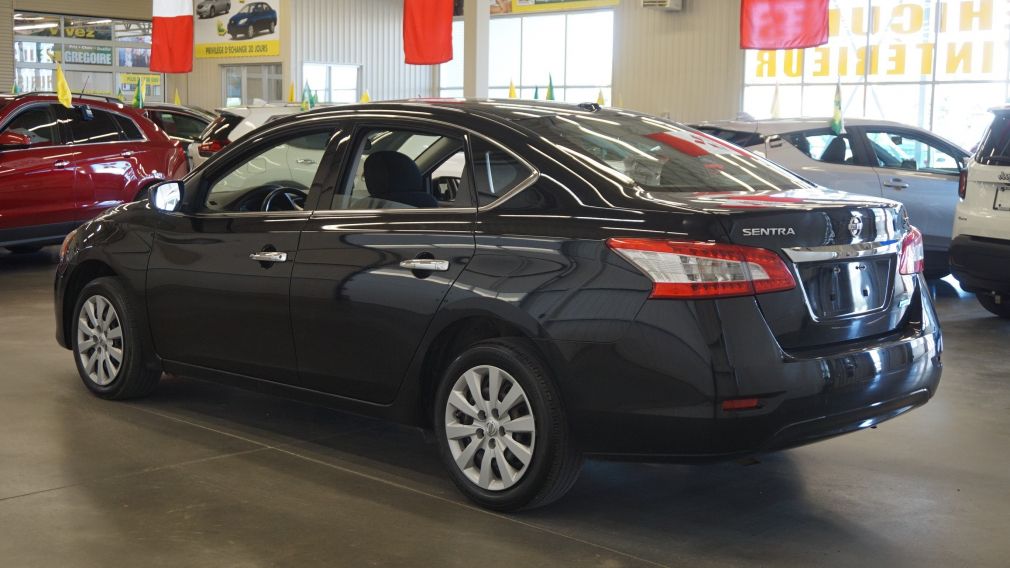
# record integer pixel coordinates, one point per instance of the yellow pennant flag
(291, 92)
(365, 98)
(600, 100)
(512, 90)
(176, 98)
(62, 88)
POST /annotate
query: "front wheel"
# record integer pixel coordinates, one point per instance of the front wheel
(1001, 309)
(501, 428)
(273, 25)
(250, 31)
(107, 346)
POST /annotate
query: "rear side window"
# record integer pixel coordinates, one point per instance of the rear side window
(743, 139)
(101, 128)
(182, 126)
(37, 124)
(822, 145)
(129, 128)
(994, 150)
(220, 128)
(496, 172)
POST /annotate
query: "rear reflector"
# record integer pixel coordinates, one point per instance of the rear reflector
(962, 184)
(741, 404)
(912, 259)
(690, 269)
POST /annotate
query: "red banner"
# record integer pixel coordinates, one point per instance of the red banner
(427, 31)
(783, 24)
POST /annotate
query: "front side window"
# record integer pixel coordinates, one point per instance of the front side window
(406, 169)
(100, 127)
(275, 178)
(37, 124)
(660, 155)
(823, 146)
(897, 150)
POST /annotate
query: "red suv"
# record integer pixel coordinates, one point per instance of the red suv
(59, 166)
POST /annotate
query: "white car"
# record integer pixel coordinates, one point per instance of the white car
(980, 254)
(231, 124)
(871, 157)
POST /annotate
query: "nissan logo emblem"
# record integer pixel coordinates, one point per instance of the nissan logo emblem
(855, 225)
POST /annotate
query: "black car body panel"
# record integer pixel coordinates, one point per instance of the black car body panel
(642, 378)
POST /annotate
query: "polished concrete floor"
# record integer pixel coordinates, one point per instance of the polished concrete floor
(203, 475)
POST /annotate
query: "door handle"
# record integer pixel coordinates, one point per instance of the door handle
(896, 183)
(425, 264)
(269, 256)
(61, 163)
(127, 154)
(305, 161)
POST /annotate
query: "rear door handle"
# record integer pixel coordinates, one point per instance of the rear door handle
(61, 163)
(896, 183)
(269, 256)
(127, 154)
(425, 264)
(305, 161)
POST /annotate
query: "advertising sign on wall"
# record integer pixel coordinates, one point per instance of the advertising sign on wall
(85, 55)
(499, 7)
(239, 28)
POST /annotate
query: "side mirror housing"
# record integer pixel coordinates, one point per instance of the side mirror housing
(166, 196)
(14, 140)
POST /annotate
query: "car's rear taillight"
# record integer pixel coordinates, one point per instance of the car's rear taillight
(211, 147)
(912, 259)
(686, 270)
(962, 184)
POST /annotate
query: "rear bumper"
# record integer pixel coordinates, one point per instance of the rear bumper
(666, 404)
(981, 264)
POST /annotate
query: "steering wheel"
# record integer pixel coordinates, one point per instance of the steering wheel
(294, 199)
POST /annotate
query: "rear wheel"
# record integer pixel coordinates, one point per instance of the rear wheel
(212, 12)
(106, 342)
(501, 429)
(1001, 309)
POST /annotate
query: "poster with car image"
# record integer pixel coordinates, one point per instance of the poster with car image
(236, 28)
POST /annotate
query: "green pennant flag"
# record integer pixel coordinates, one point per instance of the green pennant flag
(138, 95)
(536, 93)
(550, 88)
(313, 101)
(306, 97)
(837, 124)
(17, 89)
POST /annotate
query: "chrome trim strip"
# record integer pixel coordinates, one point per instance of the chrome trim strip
(833, 252)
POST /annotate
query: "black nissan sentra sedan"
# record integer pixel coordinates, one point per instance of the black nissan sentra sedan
(534, 282)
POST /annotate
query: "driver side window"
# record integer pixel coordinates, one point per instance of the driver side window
(901, 151)
(274, 178)
(37, 123)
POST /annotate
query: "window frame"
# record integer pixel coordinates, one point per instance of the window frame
(921, 137)
(66, 116)
(60, 138)
(857, 143)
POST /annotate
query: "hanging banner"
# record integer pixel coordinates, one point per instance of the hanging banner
(250, 29)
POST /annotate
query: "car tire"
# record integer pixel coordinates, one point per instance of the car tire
(24, 249)
(250, 32)
(272, 27)
(988, 302)
(541, 461)
(212, 12)
(102, 336)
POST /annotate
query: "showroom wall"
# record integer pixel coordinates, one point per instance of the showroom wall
(686, 64)
(6, 45)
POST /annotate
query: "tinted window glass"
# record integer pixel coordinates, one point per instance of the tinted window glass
(901, 151)
(733, 136)
(496, 172)
(994, 150)
(275, 178)
(823, 146)
(182, 126)
(220, 128)
(406, 169)
(129, 128)
(37, 124)
(101, 128)
(661, 155)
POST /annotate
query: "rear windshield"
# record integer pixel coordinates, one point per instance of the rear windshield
(663, 156)
(220, 127)
(994, 150)
(737, 137)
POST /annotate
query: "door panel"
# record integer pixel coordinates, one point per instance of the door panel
(216, 307)
(358, 316)
(106, 165)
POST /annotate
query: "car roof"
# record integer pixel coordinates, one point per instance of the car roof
(786, 125)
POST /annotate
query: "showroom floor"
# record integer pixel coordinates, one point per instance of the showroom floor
(205, 475)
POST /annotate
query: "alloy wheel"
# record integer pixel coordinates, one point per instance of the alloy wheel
(100, 340)
(490, 428)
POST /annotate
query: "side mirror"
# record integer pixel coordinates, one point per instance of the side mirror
(14, 140)
(166, 196)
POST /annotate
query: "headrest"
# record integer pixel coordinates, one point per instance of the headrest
(389, 172)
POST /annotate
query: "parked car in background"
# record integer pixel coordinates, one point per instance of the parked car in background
(231, 124)
(60, 167)
(980, 255)
(251, 20)
(535, 282)
(872, 157)
(182, 123)
(211, 8)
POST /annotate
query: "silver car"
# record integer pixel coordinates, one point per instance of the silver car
(871, 157)
(211, 8)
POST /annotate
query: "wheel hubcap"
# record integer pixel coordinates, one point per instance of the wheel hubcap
(490, 428)
(100, 340)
